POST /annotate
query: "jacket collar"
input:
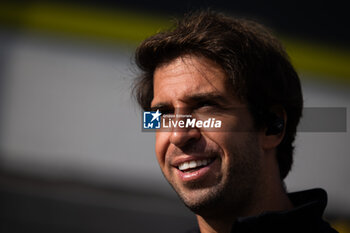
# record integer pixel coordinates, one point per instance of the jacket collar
(308, 208)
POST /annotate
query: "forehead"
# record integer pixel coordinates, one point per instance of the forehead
(186, 76)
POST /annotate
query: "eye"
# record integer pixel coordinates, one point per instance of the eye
(207, 103)
(206, 107)
(166, 111)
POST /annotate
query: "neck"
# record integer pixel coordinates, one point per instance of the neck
(212, 225)
(271, 196)
(273, 202)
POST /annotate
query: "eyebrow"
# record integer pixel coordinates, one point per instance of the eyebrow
(198, 97)
(194, 98)
(161, 105)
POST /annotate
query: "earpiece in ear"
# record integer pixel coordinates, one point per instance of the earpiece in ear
(275, 125)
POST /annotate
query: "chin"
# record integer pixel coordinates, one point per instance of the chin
(217, 200)
(203, 201)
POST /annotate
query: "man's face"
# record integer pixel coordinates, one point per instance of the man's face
(226, 161)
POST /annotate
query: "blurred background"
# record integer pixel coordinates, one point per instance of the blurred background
(73, 157)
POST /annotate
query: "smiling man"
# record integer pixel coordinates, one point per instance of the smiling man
(234, 71)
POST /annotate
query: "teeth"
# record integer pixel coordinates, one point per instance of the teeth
(193, 164)
(184, 166)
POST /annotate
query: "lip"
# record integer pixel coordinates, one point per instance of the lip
(197, 174)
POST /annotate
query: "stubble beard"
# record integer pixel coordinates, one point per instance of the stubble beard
(234, 191)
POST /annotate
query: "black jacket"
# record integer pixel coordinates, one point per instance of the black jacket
(305, 217)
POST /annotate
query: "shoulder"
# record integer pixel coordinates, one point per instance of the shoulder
(324, 227)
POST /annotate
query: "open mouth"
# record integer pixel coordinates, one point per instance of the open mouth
(194, 165)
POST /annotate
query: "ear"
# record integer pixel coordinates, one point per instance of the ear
(275, 128)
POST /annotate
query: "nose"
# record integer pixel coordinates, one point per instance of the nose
(181, 137)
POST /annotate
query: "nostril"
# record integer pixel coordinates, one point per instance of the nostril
(182, 138)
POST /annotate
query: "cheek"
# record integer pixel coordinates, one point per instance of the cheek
(227, 142)
(161, 146)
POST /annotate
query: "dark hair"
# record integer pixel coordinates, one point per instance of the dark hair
(254, 61)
